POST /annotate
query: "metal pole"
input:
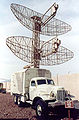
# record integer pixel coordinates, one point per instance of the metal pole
(35, 56)
(68, 114)
(36, 49)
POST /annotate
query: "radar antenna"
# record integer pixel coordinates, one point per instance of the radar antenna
(33, 50)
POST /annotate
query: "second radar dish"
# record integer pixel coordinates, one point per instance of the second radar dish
(47, 54)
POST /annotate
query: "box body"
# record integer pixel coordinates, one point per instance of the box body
(20, 81)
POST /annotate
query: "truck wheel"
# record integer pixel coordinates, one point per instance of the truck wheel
(19, 102)
(15, 99)
(41, 110)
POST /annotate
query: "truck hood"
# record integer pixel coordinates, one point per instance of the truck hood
(48, 88)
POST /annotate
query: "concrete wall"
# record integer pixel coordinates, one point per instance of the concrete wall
(70, 82)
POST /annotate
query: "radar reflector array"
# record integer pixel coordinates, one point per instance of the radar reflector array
(36, 51)
(43, 23)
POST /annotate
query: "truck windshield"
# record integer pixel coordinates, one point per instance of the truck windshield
(50, 82)
(40, 82)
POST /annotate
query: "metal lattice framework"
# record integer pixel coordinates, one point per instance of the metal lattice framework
(20, 46)
(32, 50)
(54, 27)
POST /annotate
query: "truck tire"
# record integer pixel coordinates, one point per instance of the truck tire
(41, 110)
(19, 101)
(15, 99)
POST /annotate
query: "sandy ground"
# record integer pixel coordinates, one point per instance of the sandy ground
(9, 110)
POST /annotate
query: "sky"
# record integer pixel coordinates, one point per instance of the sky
(10, 26)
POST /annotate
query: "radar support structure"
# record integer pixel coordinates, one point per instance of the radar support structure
(33, 50)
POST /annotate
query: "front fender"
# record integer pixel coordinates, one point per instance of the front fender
(44, 96)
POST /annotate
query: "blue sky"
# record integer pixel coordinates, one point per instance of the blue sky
(9, 26)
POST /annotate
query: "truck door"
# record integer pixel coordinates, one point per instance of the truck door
(32, 89)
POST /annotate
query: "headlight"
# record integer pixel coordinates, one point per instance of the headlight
(51, 94)
(67, 93)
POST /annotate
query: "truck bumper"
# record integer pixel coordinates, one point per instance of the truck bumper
(56, 103)
(59, 103)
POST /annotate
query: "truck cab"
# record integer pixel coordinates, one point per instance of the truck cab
(45, 89)
(40, 87)
(44, 93)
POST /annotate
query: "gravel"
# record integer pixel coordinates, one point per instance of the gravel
(9, 110)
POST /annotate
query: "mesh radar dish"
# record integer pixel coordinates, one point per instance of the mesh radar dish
(38, 22)
(48, 55)
(33, 50)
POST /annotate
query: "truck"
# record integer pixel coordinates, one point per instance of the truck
(2, 90)
(1, 86)
(35, 86)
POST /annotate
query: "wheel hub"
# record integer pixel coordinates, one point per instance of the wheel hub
(39, 110)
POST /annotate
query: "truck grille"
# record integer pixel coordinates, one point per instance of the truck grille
(61, 95)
